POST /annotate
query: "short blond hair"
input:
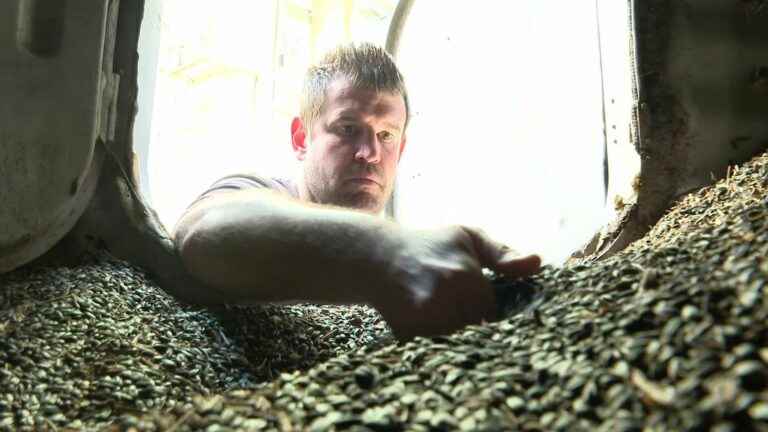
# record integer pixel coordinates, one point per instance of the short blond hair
(366, 65)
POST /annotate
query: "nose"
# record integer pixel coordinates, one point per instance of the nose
(368, 149)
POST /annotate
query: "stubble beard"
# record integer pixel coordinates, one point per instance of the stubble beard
(322, 189)
(342, 195)
(324, 192)
(361, 200)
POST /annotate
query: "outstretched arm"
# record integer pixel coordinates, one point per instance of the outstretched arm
(259, 246)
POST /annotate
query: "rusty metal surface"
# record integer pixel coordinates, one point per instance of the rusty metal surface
(50, 90)
(118, 218)
(702, 102)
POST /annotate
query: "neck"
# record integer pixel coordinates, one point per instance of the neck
(301, 186)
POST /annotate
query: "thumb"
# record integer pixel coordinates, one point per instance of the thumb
(489, 251)
(515, 266)
(500, 257)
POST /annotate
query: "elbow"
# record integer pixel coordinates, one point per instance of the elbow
(221, 246)
(181, 236)
(183, 240)
(205, 245)
(191, 241)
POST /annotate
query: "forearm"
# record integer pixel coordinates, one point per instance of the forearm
(255, 246)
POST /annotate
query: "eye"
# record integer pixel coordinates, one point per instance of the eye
(386, 137)
(347, 130)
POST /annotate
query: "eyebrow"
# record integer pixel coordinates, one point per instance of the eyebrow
(350, 115)
(392, 126)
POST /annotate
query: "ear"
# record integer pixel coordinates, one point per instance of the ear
(298, 138)
(402, 147)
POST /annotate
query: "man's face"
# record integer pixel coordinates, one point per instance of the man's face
(351, 154)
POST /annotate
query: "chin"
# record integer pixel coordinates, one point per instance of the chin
(364, 202)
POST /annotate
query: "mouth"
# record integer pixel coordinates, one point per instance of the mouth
(364, 181)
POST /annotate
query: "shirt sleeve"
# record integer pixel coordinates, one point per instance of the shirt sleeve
(247, 181)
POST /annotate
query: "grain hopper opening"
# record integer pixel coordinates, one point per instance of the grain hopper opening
(524, 123)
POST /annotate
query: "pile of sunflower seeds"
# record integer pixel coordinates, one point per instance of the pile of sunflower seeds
(671, 334)
(79, 347)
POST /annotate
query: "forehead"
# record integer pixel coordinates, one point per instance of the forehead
(344, 98)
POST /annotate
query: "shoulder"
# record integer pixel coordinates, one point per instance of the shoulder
(232, 183)
(250, 181)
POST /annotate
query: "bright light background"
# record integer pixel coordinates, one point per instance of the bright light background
(228, 84)
(506, 131)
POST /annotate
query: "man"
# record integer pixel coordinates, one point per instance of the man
(322, 239)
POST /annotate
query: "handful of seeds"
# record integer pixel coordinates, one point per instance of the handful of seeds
(671, 334)
(514, 296)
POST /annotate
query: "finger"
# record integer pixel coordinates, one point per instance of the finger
(515, 267)
(489, 251)
(481, 303)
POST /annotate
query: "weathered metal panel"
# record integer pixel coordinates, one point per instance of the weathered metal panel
(50, 89)
(700, 103)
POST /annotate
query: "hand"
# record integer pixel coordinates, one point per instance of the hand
(436, 285)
